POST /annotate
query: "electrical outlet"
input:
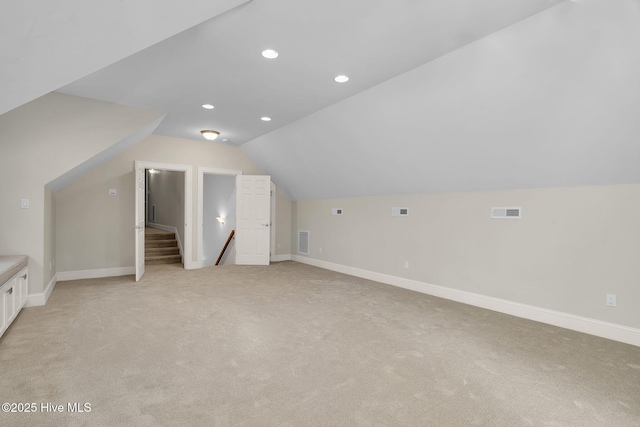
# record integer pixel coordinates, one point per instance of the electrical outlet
(406, 265)
(611, 300)
(320, 249)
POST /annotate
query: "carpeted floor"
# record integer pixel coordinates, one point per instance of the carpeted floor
(294, 345)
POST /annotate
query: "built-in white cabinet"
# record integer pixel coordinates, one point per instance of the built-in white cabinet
(13, 296)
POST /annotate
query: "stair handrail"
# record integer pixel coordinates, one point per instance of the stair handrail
(233, 232)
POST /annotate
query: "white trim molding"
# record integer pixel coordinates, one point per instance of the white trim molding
(279, 258)
(35, 300)
(586, 325)
(95, 274)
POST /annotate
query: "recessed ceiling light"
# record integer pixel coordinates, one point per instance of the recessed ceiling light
(341, 79)
(207, 106)
(270, 54)
(265, 119)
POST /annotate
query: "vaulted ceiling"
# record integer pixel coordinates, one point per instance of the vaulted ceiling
(444, 95)
(219, 61)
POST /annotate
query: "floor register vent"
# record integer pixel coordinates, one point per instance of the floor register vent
(506, 213)
(303, 242)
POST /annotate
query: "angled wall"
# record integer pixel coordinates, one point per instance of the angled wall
(39, 142)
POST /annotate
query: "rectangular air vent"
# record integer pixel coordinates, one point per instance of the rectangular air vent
(336, 211)
(303, 242)
(506, 213)
(399, 211)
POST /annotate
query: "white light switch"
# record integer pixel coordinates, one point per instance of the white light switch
(113, 191)
(24, 203)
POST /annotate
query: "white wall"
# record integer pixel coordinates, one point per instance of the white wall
(571, 247)
(39, 142)
(219, 199)
(165, 190)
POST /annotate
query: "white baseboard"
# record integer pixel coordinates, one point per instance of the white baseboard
(35, 300)
(595, 327)
(278, 258)
(95, 274)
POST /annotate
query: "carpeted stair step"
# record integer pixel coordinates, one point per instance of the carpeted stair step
(160, 243)
(169, 250)
(161, 247)
(163, 235)
(163, 259)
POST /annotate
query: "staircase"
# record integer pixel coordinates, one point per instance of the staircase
(160, 247)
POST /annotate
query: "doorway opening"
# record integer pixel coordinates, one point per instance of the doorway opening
(216, 215)
(164, 217)
(155, 200)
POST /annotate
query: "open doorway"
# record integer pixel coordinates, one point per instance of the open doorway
(219, 219)
(164, 217)
(142, 213)
(216, 215)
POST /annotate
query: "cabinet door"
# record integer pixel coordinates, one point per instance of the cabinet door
(10, 299)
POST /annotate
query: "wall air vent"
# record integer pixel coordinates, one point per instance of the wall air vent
(303, 242)
(336, 211)
(506, 213)
(399, 211)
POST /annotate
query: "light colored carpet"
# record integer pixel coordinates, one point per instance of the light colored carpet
(294, 345)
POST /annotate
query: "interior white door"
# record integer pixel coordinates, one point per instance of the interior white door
(139, 219)
(253, 219)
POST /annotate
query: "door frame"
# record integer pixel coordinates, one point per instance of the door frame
(202, 170)
(188, 201)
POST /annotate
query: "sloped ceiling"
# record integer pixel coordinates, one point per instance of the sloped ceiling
(219, 61)
(45, 44)
(551, 101)
(445, 95)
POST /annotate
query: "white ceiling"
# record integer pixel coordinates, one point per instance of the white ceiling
(445, 95)
(552, 101)
(219, 61)
(45, 44)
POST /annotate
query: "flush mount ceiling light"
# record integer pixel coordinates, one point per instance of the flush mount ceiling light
(210, 134)
(270, 54)
(265, 119)
(341, 79)
(207, 106)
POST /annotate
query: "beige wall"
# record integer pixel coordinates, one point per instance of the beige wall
(94, 231)
(283, 223)
(571, 247)
(40, 141)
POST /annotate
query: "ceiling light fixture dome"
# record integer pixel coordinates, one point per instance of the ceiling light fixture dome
(265, 119)
(207, 106)
(210, 134)
(270, 54)
(341, 79)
